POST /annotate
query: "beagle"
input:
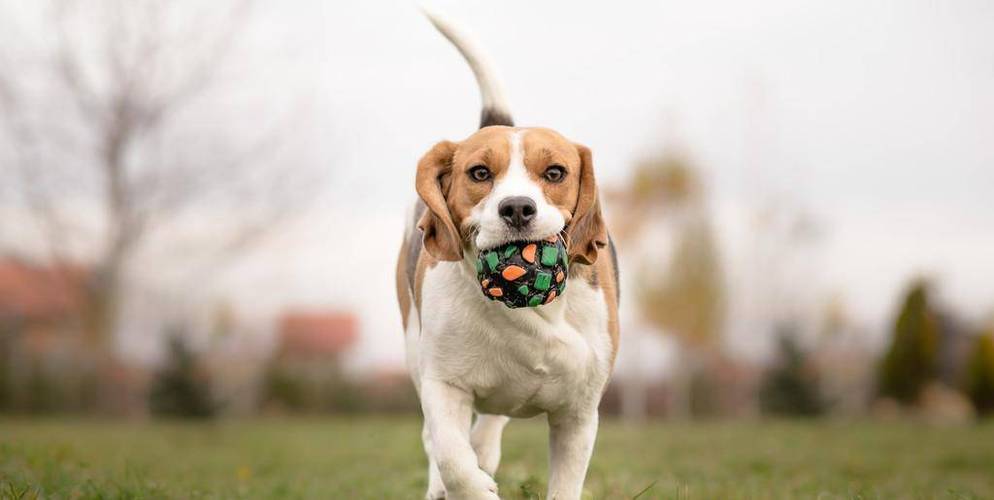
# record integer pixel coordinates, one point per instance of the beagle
(467, 354)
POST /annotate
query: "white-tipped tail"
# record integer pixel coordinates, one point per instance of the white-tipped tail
(495, 108)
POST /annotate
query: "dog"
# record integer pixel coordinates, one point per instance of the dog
(467, 354)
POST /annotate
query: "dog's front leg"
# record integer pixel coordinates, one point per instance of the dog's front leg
(448, 411)
(571, 442)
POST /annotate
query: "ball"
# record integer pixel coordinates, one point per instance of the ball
(524, 273)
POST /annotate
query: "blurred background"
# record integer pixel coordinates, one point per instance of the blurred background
(201, 202)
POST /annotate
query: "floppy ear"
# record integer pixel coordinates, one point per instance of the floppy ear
(587, 233)
(441, 238)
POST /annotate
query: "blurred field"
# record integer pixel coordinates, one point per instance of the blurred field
(381, 458)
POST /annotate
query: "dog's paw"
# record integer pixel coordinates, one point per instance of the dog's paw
(480, 487)
(479, 495)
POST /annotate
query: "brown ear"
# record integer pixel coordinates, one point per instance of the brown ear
(441, 238)
(587, 233)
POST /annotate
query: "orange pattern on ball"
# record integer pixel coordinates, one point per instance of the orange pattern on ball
(511, 273)
(529, 253)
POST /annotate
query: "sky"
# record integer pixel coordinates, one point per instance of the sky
(873, 119)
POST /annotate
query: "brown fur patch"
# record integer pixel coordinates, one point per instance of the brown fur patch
(603, 276)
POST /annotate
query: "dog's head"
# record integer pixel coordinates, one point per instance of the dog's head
(509, 184)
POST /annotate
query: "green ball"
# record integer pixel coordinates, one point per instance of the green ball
(524, 273)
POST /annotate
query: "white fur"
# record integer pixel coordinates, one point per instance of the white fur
(515, 181)
(469, 353)
(491, 92)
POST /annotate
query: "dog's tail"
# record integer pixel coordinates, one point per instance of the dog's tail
(495, 109)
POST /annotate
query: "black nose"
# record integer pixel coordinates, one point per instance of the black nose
(517, 211)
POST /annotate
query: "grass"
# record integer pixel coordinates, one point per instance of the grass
(381, 458)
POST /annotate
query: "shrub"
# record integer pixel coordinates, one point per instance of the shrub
(911, 359)
(979, 386)
(181, 388)
(791, 387)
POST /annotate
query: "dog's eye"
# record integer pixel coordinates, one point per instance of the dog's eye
(479, 173)
(555, 173)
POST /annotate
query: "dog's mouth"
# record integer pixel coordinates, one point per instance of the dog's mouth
(490, 242)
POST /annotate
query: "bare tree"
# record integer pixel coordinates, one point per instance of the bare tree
(105, 144)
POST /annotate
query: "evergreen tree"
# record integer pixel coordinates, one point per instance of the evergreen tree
(790, 387)
(181, 388)
(911, 360)
(980, 374)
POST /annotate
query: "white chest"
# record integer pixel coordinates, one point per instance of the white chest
(517, 362)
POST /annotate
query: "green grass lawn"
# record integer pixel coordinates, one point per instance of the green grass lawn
(382, 458)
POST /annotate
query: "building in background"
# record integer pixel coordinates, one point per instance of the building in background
(40, 331)
(316, 336)
(305, 373)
